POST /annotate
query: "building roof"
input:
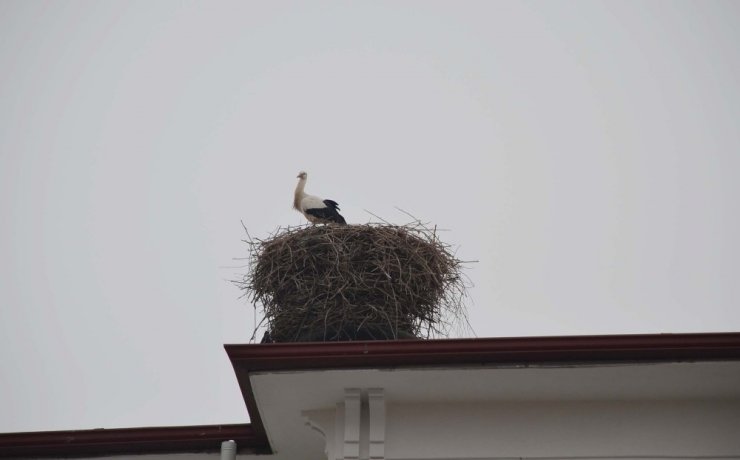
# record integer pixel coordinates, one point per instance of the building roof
(254, 359)
(281, 357)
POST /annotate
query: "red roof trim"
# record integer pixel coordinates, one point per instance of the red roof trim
(452, 352)
(87, 443)
(251, 358)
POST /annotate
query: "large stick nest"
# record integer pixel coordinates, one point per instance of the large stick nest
(355, 282)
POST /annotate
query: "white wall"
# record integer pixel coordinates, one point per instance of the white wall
(564, 430)
(666, 410)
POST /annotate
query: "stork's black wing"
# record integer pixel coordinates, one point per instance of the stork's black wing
(332, 204)
(329, 213)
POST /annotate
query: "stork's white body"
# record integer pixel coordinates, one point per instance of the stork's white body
(311, 202)
(316, 210)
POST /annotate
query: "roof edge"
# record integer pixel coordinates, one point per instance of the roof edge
(506, 350)
(149, 440)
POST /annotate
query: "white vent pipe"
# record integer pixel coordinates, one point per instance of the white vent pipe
(228, 450)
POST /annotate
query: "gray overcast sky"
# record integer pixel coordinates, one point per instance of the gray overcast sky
(586, 153)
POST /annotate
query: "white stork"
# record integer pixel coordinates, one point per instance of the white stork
(316, 210)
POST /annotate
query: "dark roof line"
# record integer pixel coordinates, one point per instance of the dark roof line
(101, 442)
(524, 350)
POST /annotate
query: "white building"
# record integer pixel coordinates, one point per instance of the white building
(672, 396)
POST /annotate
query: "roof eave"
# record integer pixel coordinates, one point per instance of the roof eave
(490, 351)
(148, 440)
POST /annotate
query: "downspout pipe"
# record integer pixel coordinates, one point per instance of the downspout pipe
(228, 450)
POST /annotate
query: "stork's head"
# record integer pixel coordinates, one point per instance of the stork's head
(302, 175)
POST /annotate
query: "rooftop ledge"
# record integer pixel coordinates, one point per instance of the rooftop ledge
(254, 359)
(523, 350)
